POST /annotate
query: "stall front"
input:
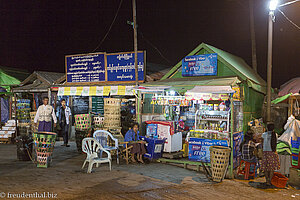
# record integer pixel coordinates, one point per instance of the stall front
(216, 95)
(28, 97)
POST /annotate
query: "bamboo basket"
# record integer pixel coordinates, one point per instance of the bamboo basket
(44, 144)
(219, 160)
(112, 112)
(82, 122)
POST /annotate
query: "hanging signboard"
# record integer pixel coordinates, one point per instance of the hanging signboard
(200, 65)
(120, 67)
(101, 67)
(85, 68)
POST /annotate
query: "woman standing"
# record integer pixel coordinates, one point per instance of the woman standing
(270, 160)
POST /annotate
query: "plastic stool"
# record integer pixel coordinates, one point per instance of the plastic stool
(246, 171)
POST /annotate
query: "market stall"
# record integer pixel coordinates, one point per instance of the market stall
(99, 89)
(210, 95)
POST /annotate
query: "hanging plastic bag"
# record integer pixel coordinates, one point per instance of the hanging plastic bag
(292, 130)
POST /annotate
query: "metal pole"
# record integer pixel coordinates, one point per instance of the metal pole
(269, 69)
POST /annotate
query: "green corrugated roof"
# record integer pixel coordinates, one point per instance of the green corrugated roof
(6, 80)
(235, 63)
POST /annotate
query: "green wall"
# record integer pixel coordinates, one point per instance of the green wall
(223, 70)
(252, 104)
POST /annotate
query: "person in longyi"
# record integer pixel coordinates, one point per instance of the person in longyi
(138, 148)
(44, 115)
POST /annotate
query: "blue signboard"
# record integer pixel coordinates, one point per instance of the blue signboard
(200, 65)
(85, 68)
(120, 67)
(199, 148)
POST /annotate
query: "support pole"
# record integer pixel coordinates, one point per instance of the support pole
(269, 67)
(135, 42)
(231, 136)
(138, 99)
(252, 31)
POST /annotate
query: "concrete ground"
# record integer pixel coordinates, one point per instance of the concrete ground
(65, 180)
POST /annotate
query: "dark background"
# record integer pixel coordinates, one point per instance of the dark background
(36, 35)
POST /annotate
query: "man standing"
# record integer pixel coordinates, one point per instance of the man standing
(64, 115)
(44, 115)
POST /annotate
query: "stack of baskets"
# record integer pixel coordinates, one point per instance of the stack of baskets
(83, 125)
(44, 144)
(98, 122)
(112, 113)
(295, 153)
(23, 112)
(33, 126)
(219, 160)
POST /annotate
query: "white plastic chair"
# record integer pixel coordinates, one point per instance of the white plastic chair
(101, 136)
(91, 147)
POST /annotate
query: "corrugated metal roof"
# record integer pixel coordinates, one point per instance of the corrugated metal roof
(50, 77)
(235, 63)
(38, 81)
(19, 74)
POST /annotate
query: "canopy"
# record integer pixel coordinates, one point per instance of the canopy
(96, 90)
(6, 80)
(188, 83)
(212, 89)
(280, 99)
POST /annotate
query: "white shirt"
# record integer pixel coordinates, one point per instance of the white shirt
(41, 109)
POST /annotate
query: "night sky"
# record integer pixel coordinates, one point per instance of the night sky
(36, 35)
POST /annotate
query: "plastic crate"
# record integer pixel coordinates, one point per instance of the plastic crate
(295, 143)
(295, 161)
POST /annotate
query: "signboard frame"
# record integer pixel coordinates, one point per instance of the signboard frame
(86, 54)
(197, 63)
(106, 74)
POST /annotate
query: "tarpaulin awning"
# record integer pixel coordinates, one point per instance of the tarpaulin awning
(152, 88)
(212, 89)
(188, 83)
(96, 90)
(280, 99)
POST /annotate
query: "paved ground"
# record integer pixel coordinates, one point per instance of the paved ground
(65, 180)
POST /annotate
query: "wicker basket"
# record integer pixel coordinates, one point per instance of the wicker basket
(112, 101)
(44, 144)
(258, 131)
(112, 112)
(219, 159)
(83, 122)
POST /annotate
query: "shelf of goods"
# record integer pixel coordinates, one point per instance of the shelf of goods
(212, 124)
(23, 114)
(8, 132)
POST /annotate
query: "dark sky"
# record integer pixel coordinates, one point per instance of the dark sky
(36, 35)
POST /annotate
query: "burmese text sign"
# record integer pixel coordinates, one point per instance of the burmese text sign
(200, 65)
